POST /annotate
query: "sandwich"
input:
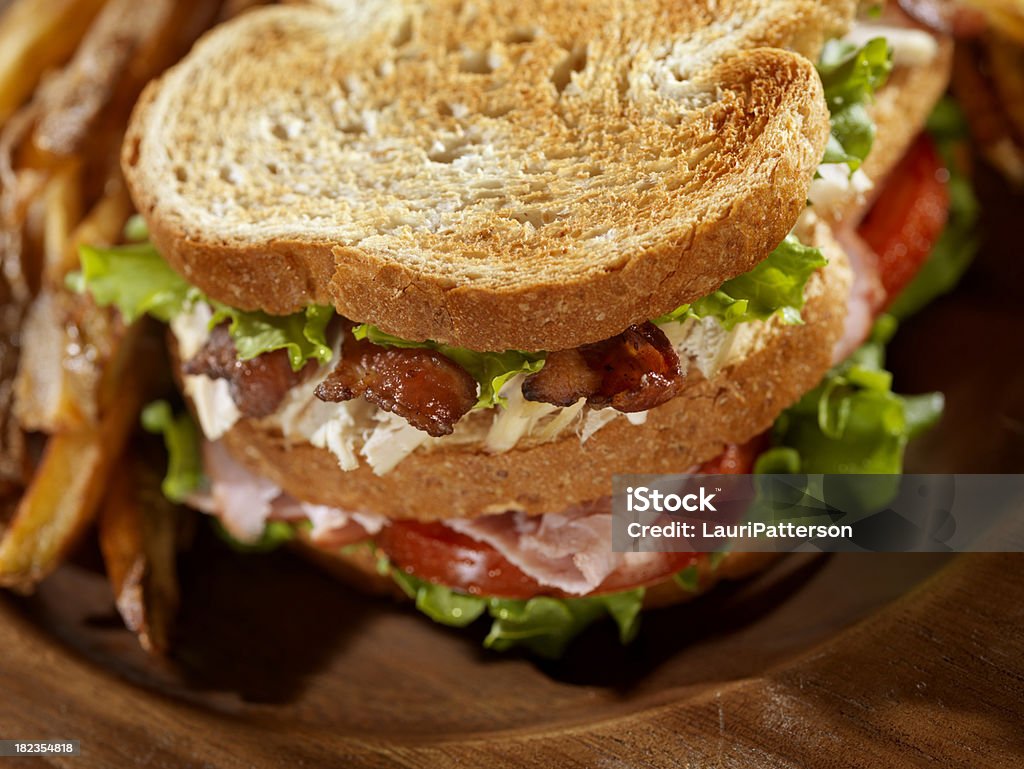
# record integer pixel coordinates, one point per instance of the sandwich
(434, 272)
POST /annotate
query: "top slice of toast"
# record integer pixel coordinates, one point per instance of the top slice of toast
(528, 174)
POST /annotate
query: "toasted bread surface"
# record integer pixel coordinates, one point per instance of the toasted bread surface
(530, 174)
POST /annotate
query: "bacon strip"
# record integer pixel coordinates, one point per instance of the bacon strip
(258, 385)
(427, 389)
(634, 371)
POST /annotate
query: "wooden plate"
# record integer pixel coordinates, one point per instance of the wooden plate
(856, 660)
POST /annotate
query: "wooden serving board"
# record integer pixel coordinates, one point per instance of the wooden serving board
(843, 661)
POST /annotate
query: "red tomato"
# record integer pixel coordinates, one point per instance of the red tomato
(737, 459)
(433, 552)
(908, 217)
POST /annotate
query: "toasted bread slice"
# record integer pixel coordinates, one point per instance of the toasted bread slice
(523, 174)
(463, 481)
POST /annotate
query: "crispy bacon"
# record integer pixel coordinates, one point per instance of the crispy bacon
(634, 371)
(427, 389)
(257, 385)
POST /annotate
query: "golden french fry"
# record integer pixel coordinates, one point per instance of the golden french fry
(84, 109)
(1007, 16)
(103, 224)
(1006, 69)
(63, 202)
(36, 35)
(63, 497)
(138, 531)
(50, 395)
(68, 340)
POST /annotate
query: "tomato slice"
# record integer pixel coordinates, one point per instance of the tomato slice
(908, 216)
(436, 553)
(433, 552)
(737, 459)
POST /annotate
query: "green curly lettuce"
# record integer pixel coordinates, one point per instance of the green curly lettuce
(137, 281)
(181, 438)
(302, 334)
(774, 287)
(852, 422)
(851, 76)
(275, 534)
(491, 370)
(543, 625)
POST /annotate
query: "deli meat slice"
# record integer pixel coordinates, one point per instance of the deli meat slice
(428, 390)
(244, 503)
(570, 551)
(634, 371)
(867, 295)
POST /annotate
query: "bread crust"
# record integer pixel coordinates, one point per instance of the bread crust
(735, 161)
(739, 403)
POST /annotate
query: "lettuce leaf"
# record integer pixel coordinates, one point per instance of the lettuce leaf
(959, 242)
(851, 76)
(490, 369)
(852, 422)
(542, 625)
(184, 459)
(133, 278)
(137, 281)
(275, 534)
(546, 625)
(302, 334)
(135, 229)
(774, 286)
(688, 579)
(439, 603)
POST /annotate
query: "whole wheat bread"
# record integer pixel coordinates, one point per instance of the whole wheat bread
(531, 174)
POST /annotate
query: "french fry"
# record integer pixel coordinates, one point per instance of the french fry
(84, 376)
(103, 224)
(69, 483)
(84, 109)
(67, 341)
(138, 530)
(1007, 16)
(36, 35)
(50, 396)
(1006, 68)
(63, 202)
